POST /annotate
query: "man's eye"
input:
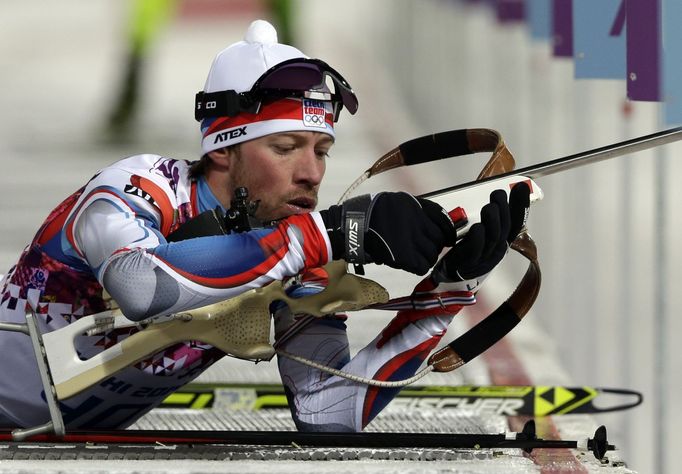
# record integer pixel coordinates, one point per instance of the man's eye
(282, 149)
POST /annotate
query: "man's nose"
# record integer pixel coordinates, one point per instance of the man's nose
(309, 168)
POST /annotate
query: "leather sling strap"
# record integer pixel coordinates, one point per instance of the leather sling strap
(447, 145)
(504, 318)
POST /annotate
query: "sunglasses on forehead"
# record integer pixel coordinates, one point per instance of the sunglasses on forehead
(298, 77)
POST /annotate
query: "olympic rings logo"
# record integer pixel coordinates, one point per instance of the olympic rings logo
(314, 119)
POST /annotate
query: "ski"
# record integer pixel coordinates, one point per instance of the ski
(489, 399)
(526, 439)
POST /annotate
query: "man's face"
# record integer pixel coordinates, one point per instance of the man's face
(283, 171)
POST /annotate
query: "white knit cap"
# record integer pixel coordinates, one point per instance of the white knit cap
(237, 68)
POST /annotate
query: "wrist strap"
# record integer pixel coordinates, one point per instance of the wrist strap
(354, 226)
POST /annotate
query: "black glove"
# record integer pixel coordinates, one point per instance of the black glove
(486, 243)
(396, 229)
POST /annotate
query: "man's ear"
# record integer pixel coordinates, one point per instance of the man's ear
(221, 158)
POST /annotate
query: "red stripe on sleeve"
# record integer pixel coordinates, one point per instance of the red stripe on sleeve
(385, 373)
(161, 201)
(314, 245)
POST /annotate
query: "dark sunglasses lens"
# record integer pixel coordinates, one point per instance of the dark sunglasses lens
(294, 77)
(304, 76)
(349, 99)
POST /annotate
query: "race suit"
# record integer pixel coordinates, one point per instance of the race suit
(111, 234)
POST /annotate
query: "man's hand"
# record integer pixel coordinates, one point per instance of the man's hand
(396, 229)
(486, 243)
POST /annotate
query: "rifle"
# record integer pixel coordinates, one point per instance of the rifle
(241, 326)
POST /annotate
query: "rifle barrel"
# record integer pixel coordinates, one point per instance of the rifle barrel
(596, 155)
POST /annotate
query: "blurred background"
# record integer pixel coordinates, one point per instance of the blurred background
(84, 84)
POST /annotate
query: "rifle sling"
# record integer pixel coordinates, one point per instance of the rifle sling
(505, 317)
